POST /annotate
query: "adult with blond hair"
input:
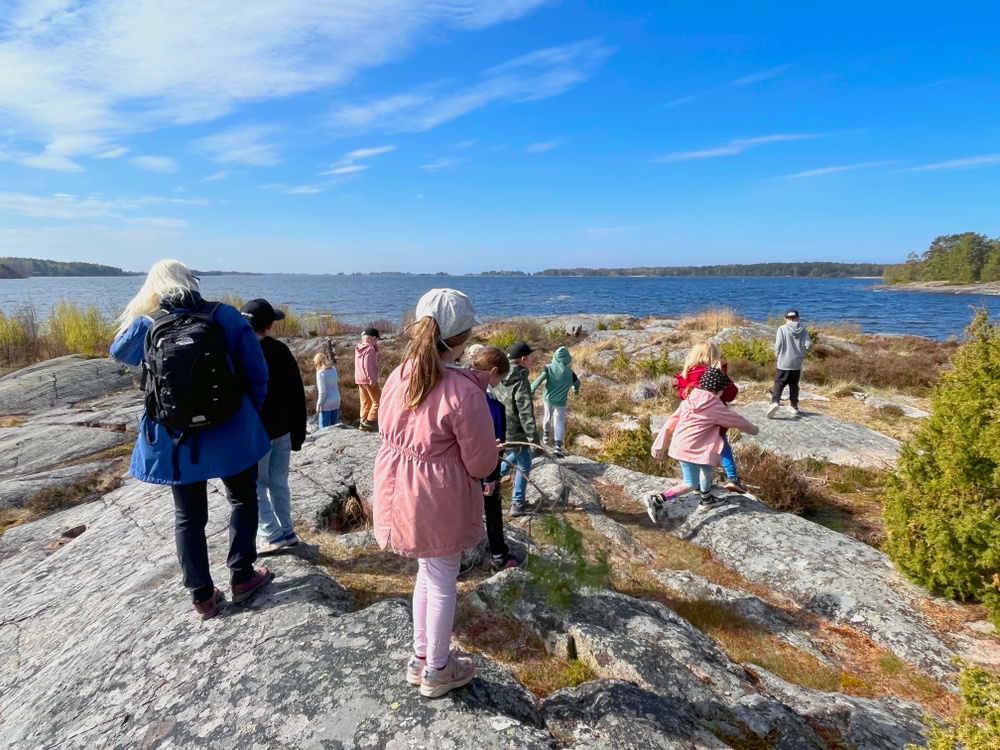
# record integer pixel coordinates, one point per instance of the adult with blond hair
(437, 444)
(165, 320)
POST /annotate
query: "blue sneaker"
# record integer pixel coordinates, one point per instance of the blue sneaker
(290, 539)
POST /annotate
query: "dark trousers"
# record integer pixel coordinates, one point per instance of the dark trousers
(494, 523)
(789, 378)
(190, 519)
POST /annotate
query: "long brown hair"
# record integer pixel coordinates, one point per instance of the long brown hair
(425, 350)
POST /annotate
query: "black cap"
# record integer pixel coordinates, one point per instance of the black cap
(792, 313)
(260, 313)
(373, 332)
(713, 379)
(519, 349)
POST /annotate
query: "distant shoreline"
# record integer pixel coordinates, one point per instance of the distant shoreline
(946, 287)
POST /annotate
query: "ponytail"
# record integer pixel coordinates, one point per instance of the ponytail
(424, 352)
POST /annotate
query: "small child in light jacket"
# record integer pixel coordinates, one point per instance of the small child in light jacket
(327, 390)
(696, 442)
(558, 378)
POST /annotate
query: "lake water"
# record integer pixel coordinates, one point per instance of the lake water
(358, 299)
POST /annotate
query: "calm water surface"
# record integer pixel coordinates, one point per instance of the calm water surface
(358, 299)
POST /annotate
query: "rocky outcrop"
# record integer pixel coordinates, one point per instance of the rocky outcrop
(61, 382)
(904, 408)
(810, 434)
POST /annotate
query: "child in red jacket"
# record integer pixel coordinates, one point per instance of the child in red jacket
(706, 354)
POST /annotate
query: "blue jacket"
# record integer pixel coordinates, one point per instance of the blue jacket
(217, 451)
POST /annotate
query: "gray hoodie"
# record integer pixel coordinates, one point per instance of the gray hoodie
(791, 344)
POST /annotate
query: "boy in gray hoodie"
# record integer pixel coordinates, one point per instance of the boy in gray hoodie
(790, 344)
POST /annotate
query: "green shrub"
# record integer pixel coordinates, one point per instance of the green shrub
(79, 330)
(654, 367)
(978, 724)
(567, 569)
(942, 506)
(758, 351)
(630, 448)
(602, 326)
(502, 339)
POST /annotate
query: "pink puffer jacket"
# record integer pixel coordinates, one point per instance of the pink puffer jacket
(695, 426)
(428, 501)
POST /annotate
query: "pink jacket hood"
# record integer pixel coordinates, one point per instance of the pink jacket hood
(366, 364)
(428, 501)
(695, 427)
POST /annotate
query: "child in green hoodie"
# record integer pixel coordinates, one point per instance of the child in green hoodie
(558, 378)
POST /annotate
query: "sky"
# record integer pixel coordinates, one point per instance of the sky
(471, 135)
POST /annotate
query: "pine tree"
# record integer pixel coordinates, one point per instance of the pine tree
(942, 507)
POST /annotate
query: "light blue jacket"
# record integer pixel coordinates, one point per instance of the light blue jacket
(220, 451)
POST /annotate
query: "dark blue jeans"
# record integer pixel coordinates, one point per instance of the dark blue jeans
(190, 519)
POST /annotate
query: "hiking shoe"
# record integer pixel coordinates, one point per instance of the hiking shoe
(209, 607)
(559, 450)
(366, 426)
(464, 568)
(457, 672)
(653, 505)
(415, 670)
(270, 547)
(771, 411)
(243, 591)
(708, 500)
(733, 484)
(795, 411)
(291, 539)
(522, 509)
(510, 560)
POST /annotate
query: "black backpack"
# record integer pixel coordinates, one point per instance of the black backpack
(187, 371)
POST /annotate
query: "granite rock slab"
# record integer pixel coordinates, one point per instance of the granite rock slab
(61, 382)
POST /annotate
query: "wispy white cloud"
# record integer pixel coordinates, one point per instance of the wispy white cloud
(112, 153)
(443, 163)
(62, 152)
(247, 144)
(217, 176)
(760, 75)
(110, 68)
(462, 145)
(735, 146)
(66, 207)
(348, 164)
(840, 168)
(747, 80)
(347, 169)
(155, 163)
(972, 161)
(543, 146)
(537, 75)
(158, 222)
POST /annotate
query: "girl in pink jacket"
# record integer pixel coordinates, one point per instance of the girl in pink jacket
(697, 442)
(437, 444)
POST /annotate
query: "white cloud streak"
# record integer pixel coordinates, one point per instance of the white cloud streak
(972, 161)
(747, 80)
(537, 75)
(543, 146)
(110, 68)
(248, 144)
(445, 163)
(734, 147)
(842, 168)
(160, 164)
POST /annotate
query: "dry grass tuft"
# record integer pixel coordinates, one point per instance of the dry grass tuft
(774, 479)
(713, 320)
(909, 364)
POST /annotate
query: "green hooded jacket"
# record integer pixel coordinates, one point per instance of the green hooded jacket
(515, 395)
(558, 378)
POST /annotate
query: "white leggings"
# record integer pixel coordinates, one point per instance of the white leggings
(555, 416)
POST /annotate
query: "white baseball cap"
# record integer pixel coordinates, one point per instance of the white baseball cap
(451, 308)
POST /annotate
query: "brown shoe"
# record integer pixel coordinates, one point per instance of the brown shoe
(243, 591)
(209, 607)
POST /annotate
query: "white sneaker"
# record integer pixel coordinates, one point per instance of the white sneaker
(771, 411)
(269, 548)
(457, 672)
(795, 410)
(653, 504)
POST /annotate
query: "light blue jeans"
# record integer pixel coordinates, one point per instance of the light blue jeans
(728, 461)
(274, 499)
(697, 475)
(521, 456)
(329, 418)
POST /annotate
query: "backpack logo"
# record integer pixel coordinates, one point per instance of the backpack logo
(187, 372)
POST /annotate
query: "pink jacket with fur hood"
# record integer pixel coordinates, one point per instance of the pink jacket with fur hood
(428, 501)
(695, 426)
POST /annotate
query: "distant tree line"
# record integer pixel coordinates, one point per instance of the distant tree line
(32, 267)
(960, 258)
(801, 270)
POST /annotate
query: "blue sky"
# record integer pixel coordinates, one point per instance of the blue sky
(467, 135)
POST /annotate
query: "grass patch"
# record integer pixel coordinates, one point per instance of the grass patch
(909, 364)
(756, 351)
(503, 333)
(713, 320)
(774, 479)
(630, 448)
